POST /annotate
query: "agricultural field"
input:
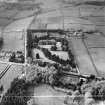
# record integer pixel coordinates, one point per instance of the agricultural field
(83, 60)
(12, 42)
(75, 66)
(96, 46)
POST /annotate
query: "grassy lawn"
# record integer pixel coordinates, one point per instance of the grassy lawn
(62, 54)
(42, 56)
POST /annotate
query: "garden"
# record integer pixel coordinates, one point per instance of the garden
(51, 49)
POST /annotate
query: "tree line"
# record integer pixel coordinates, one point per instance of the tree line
(56, 58)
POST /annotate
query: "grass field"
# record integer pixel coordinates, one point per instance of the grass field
(62, 54)
(96, 46)
(83, 60)
(46, 95)
(41, 54)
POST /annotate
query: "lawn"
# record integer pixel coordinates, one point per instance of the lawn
(62, 54)
(41, 54)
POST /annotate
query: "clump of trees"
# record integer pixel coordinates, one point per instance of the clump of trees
(17, 57)
(1, 43)
(54, 48)
(48, 75)
(37, 75)
(17, 93)
(98, 93)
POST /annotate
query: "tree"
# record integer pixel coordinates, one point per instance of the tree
(98, 93)
(1, 88)
(1, 43)
(54, 48)
(37, 56)
(92, 77)
(12, 58)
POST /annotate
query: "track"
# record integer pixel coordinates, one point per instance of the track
(5, 70)
(8, 66)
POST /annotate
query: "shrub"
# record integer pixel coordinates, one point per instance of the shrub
(53, 48)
